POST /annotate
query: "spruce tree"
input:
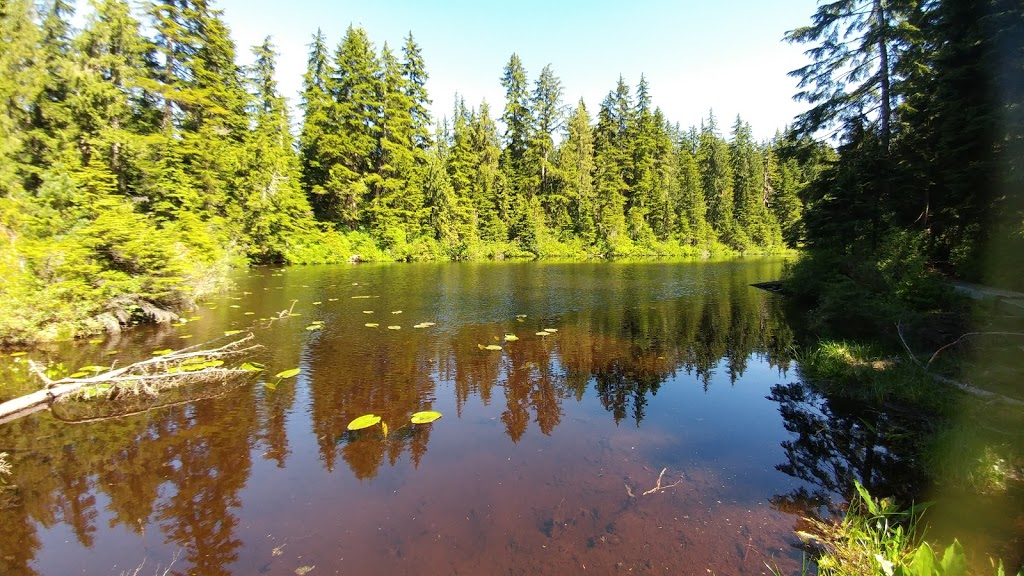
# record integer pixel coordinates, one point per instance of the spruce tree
(716, 178)
(317, 129)
(574, 213)
(414, 72)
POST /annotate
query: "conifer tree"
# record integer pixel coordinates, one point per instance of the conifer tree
(574, 216)
(414, 72)
(317, 129)
(716, 177)
(351, 149)
(20, 84)
(275, 211)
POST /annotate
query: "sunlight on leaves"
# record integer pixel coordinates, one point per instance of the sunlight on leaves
(364, 421)
(425, 417)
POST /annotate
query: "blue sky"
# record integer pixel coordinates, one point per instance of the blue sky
(696, 55)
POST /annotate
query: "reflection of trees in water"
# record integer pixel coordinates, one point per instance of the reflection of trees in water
(182, 466)
(185, 466)
(835, 443)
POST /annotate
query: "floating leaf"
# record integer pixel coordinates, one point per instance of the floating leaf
(234, 306)
(317, 303)
(17, 354)
(271, 385)
(332, 299)
(78, 375)
(163, 352)
(295, 314)
(367, 311)
(552, 330)
(232, 332)
(425, 417)
(520, 315)
(185, 336)
(488, 347)
(288, 373)
(384, 428)
(252, 367)
(194, 318)
(213, 363)
(511, 337)
(112, 353)
(95, 341)
(394, 327)
(371, 324)
(543, 334)
(360, 297)
(248, 313)
(192, 367)
(364, 421)
(94, 369)
(396, 311)
(315, 327)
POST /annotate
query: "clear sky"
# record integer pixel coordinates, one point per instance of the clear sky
(696, 54)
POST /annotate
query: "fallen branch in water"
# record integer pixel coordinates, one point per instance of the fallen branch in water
(148, 376)
(658, 487)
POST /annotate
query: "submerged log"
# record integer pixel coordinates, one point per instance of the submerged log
(144, 377)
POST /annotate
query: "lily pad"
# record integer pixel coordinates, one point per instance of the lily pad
(163, 352)
(17, 354)
(364, 421)
(94, 369)
(425, 417)
(511, 337)
(288, 373)
(488, 347)
(394, 327)
(252, 366)
(232, 332)
(315, 327)
(78, 375)
(551, 330)
(371, 324)
(396, 311)
(367, 311)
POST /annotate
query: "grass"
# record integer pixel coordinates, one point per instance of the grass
(877, 537)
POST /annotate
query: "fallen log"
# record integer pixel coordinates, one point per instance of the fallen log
(147, 376)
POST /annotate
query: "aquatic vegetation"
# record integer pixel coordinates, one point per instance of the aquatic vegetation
(493, 347)
(425, 417)
(371, 325)
(364, 421)
(511, 337)
(878, 537)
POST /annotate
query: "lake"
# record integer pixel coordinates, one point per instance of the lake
(544, 460)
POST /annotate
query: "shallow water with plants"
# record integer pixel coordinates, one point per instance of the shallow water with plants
(605, 417)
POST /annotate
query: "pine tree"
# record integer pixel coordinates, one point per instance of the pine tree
(548, 113)
(395, 197)
(414, 72)
(610, 162)
(716, 178)
(275, 211)
(316, 128)
(573, 214)
(21, 82)
(518, 119)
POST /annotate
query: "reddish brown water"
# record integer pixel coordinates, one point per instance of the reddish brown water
(530, 471)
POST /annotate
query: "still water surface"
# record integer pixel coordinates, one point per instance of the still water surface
(539, 465)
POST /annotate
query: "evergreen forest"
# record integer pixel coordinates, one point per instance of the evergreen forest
(139, 161)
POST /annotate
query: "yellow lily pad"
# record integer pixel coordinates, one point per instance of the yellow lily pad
(95, 341)
(288, 373)
(511, 337)
(488, 347)
(17, 354)
(360, 297)
(396, 311)
(425, 417)
(252, 367)
(394, 327)
(364, 421)
(543, 334)
(367, 311)
(371, 324)
(315, 327)
(232, 332)
(551, 330)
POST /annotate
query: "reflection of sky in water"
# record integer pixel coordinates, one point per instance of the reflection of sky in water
(655, 365)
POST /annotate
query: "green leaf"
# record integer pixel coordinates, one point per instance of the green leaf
(94, 369)
(364, 421)
(371, 325)
(394, 327)
(78, 375)
(163, 352)
(511, 337)
(315, 327)
(213, 363)
(493, 347)
(288, 373)
(954, 560)
(866, 497)
(425, 417)
(232, 332)
(923, 561)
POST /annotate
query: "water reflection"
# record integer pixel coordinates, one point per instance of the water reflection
(181, 470)
(836, 442)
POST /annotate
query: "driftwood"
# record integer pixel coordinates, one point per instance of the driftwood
(192, 364)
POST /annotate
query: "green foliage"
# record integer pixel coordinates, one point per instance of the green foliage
(877, 537)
